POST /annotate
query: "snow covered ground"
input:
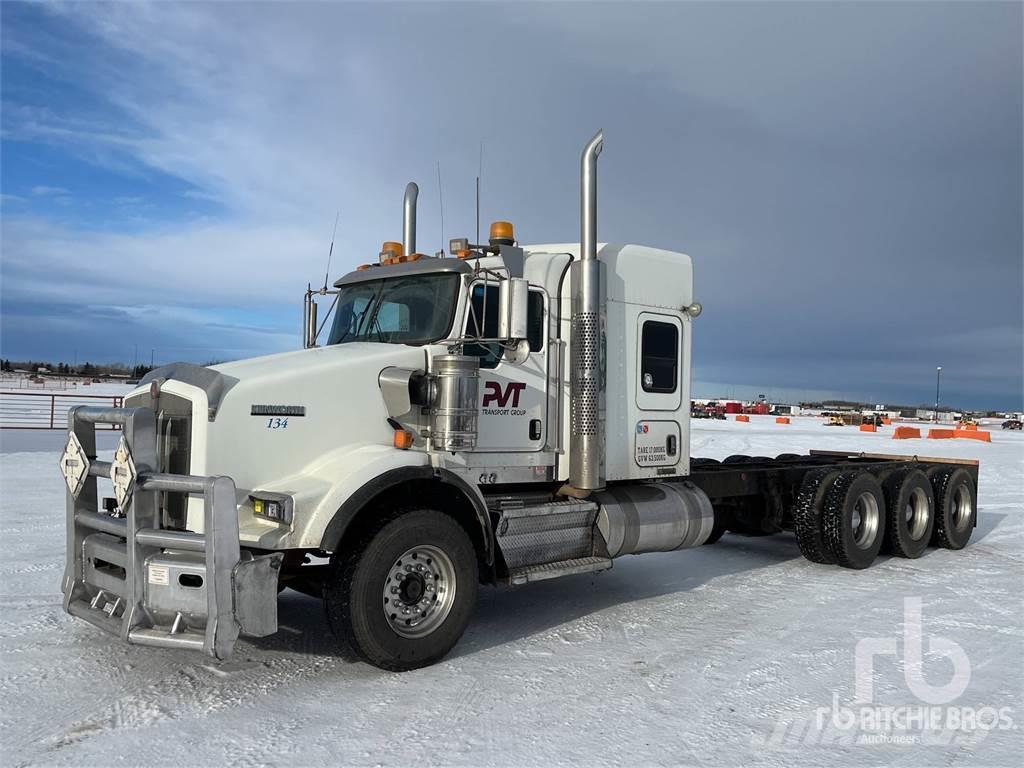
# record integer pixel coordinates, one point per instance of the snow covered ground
(720, 655)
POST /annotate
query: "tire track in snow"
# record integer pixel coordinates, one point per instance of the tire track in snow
(185, 692)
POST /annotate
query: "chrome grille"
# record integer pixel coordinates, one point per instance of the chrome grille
(173, 450)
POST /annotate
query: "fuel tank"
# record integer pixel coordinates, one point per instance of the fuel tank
(653, 517)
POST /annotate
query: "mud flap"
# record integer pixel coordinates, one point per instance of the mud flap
(254, 586)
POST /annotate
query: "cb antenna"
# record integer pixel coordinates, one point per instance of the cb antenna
(479, 173)
(330, 252)
(440, 198)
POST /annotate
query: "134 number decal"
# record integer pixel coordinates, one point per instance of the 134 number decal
(276, 423)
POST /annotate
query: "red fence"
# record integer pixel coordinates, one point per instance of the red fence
(47, 410)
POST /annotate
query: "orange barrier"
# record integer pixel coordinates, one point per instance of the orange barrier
(868, 428)
(782, 419)
(975, 434)
(941, 434)
(887, 422)
(904, 433)
(741, 417)
(967, 427)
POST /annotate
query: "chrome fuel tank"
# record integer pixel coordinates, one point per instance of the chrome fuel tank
(653, 517)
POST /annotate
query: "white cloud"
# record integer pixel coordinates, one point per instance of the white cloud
(44, 191)
(206, 264)
(284, 114)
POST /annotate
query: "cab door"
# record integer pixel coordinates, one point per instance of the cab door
(513, 394)
(659, 390)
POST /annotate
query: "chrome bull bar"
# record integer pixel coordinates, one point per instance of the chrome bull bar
(149, 585)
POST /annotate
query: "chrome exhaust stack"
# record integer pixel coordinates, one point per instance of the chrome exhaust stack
(309, 316)
(412, 191)
(586, 465)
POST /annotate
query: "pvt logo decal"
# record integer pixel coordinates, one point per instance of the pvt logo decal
(506, 398)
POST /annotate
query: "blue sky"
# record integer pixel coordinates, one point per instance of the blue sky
(847, 177)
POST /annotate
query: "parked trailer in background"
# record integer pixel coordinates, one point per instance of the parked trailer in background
(513, 414)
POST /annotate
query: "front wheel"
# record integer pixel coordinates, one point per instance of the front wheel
(403, 596)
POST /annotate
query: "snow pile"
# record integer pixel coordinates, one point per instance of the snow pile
(719, 655)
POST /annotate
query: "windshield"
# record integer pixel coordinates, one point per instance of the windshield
(417, 309)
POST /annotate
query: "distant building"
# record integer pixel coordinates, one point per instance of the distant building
(885, 414)
(945, 417)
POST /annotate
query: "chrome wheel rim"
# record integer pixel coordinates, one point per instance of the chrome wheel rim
(419, 591)
(916, 514)
(865, 520)
(963, 506)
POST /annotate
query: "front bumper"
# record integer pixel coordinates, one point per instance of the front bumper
(153, 586)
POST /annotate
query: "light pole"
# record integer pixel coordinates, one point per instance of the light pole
(938, 379)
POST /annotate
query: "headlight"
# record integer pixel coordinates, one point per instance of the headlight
(272, 506)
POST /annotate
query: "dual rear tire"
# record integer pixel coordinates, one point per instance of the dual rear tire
(910, 502)
(955, 507)
(848, 517)
(854, 519)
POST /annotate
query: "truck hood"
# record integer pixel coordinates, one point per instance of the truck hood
(318, 361)
(281, 414)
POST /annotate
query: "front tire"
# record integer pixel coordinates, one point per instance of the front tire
(403, 596)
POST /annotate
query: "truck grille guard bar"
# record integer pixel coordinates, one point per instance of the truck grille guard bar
(150, 585)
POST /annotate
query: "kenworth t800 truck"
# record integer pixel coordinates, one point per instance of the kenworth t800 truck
(507, 414)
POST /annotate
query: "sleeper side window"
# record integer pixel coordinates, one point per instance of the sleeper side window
(659, 357)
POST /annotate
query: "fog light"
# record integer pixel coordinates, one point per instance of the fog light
(272, 506)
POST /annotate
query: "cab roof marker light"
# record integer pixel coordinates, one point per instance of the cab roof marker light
(502, 233)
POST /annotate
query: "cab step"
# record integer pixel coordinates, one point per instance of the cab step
(554, 570)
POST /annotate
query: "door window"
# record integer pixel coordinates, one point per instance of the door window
(483, 323)
(535, 320)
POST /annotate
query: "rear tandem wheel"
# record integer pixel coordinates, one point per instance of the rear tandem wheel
(854, 519)
(807, 514)
(910, 504)
(955, 506)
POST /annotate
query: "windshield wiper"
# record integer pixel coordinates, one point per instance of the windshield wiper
(354, 327)
(375, 322)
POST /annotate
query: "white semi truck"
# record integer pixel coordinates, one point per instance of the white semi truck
(507, 414)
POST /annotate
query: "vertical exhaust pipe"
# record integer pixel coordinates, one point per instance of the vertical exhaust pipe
(310, 320)
(409, 218)
(586, 464)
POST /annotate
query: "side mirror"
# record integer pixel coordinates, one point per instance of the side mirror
(512, 302)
